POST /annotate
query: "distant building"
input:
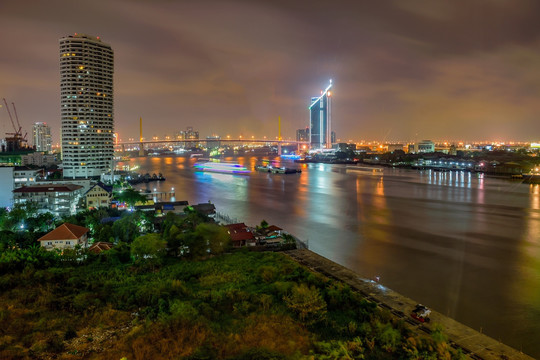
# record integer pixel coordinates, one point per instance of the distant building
(213, 141)
(8, 184)
(24, 176)
(39, 159)
(302, 134)
(13, 158)
(344, 147)
(86, 85)
(394, 147)
(426, 146)
(320, 113)
(41, 136)
(66, 236)
(188, 134)
(59, 200)
(98, 196)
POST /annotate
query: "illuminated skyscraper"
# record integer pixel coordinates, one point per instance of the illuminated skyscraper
(41, 136)
(320, 112)
(86, 85)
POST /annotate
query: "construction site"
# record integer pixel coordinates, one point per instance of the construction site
(14, 141)
(14, 144)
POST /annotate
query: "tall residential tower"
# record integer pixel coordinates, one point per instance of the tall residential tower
(321, 120)
(41, 136)
(86, 85)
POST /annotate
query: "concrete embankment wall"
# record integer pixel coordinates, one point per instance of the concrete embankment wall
(473, 343)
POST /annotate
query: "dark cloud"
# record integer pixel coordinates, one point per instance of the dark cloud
(466, 69)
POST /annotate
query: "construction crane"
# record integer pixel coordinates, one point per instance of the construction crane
(18, 123)
(16, 141)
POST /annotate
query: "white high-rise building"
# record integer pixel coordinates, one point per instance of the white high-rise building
(41, 135)
(86, 84)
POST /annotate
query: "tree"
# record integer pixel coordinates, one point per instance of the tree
(174, 238)
(18, 214)
(216, 237)
(307, 303)
(148, 249)
(42, 222)
(130, 197)
(131, 225)
(104, 233)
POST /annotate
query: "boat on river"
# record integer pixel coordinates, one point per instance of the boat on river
(366, 170)
(276, 169)
(221, 167)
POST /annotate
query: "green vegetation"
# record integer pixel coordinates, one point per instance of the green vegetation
(22, 226)
(130, 196)
(179, 294)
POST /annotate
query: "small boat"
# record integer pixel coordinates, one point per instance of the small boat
(276, 170)
(262, 168)
(367, 170)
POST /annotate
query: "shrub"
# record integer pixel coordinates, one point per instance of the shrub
(307, 303)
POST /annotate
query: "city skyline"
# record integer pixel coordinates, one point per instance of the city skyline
(414, 70)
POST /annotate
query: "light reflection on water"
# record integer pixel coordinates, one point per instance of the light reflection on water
(464, 244)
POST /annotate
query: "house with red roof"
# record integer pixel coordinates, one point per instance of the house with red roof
(241, 235)
(100, 246)
(66, 236)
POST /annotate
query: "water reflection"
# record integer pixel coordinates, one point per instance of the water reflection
(464, 244)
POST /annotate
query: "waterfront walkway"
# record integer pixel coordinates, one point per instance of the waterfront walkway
(473, 344)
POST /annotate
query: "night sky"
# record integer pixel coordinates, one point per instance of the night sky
(402, 70)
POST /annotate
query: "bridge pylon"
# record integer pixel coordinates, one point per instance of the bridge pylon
(141, 146)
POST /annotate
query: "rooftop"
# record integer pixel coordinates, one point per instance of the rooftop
(66, 231)
(48, 188)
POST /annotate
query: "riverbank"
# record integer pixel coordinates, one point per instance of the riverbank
(469, 235)
(472, 343)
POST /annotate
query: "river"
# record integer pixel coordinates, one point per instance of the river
(465, 245)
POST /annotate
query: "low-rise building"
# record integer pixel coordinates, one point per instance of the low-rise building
(426, 146)
(100, 246)
(394, 147)
(162, 208)
(39, 159)
(57, 199)
(85, 183)
(66, 236)
(207, 209)
(8, 184)
(24, 176)
(241, 235)
(98, 196)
